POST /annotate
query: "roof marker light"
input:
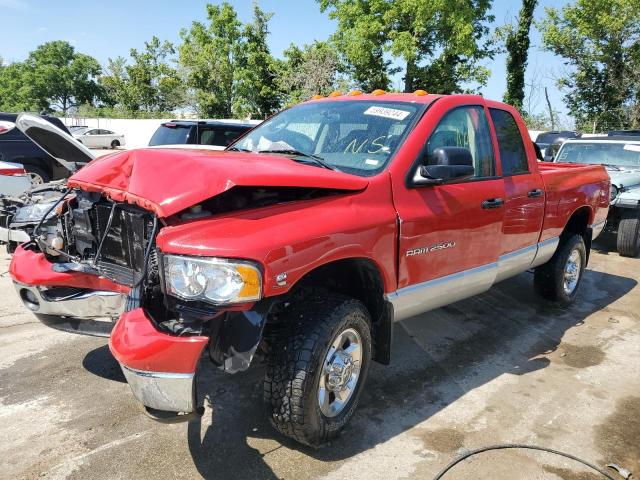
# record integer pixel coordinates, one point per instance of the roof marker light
(317, 97)
(335, 93)
(378, 91)
(420, 93)
(355, 92)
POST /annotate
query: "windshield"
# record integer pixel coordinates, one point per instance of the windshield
(358, 137)
(79, 130)
(170, 135)
(618, 154)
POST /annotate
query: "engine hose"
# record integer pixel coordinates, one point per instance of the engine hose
(520, 446)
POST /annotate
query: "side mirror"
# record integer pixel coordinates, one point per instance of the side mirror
(6, 127)
(445, 164)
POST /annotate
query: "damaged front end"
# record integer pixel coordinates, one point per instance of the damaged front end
(91, 257)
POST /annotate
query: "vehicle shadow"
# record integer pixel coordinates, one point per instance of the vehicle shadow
(437, 358)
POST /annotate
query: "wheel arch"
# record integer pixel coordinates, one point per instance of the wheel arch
(579, 224)
(360, 278)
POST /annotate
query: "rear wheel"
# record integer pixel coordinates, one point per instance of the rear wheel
(629, 233)
(559, 279)
(115, 144)
(317, 367)
(37, 176)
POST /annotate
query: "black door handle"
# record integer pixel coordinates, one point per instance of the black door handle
(535, 193)
(492, 203)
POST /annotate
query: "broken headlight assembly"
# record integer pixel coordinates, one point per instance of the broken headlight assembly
(214, 280)
(35, 212)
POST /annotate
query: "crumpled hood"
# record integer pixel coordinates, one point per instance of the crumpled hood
(167, 181)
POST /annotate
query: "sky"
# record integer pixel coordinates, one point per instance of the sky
(110, 28)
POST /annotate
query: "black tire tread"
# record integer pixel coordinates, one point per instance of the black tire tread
(629, 233)
(296, 348)
(548, 278)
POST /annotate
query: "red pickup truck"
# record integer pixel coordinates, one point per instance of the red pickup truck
(305, 241)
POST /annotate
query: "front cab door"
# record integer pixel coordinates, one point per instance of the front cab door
(450, 234)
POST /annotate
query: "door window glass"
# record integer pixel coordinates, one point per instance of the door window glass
(513, 156)
(466, 127)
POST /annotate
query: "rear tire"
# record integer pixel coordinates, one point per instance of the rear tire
(302, 355)
(629, 233)
(559, 279)
(115, 144)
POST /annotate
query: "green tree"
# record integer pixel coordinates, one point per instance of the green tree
(257, 91)
(149, 83)
(440, 42)
(60, 78)
(597, 40)
(313, 69)
(212, 55)
(15, 89)
(517, 44)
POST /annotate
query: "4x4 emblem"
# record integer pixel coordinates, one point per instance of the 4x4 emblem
(432, 248)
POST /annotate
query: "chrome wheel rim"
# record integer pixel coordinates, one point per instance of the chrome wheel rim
(572, 270)
(35, 179)
(340, 372)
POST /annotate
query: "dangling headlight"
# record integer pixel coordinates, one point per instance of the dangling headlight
(33, 213)
(213, 280)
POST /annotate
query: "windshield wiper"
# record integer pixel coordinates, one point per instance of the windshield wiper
(292, 151)
(236, 149)
(611, 165)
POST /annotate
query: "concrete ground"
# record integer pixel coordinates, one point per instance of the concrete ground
(500, 367)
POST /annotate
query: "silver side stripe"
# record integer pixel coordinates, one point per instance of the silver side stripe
(432, 294)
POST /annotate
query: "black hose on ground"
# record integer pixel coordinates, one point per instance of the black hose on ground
(521, 446)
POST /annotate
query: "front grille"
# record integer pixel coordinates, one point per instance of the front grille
(112, 236)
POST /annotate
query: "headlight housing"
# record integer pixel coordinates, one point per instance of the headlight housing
(33, 213)
(214, 280)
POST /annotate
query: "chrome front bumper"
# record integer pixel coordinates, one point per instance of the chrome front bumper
(165, 392)
(7, 235)
(74, 312)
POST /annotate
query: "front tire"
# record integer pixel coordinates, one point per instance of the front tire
(115, 144)
(629, 233)
(559, 279)
(318, 363)
(37, 176)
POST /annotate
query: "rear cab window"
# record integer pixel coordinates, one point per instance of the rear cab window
(513, 155)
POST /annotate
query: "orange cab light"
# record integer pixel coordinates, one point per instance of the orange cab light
(355, 92)
(420, 93)
(317, 97)
(336, 93)
(378, 91)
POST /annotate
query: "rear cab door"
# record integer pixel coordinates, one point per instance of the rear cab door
(450, 234)
(524, 193)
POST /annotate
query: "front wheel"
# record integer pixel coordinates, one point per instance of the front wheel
(115, 144)
(558, 279)
(317, 367)
(629, 233)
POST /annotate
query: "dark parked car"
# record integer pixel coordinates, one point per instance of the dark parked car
(554, 138)
(15, 147)
(199, 132)
(623, 133)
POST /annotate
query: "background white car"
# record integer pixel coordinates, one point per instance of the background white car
(13, 179)
(99, 138)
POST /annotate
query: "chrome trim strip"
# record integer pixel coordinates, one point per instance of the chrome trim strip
(86, 305)
(515, 262)
(546, 250)
(169, 392)
(419, 298)
(8, 235)
(596, 229)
